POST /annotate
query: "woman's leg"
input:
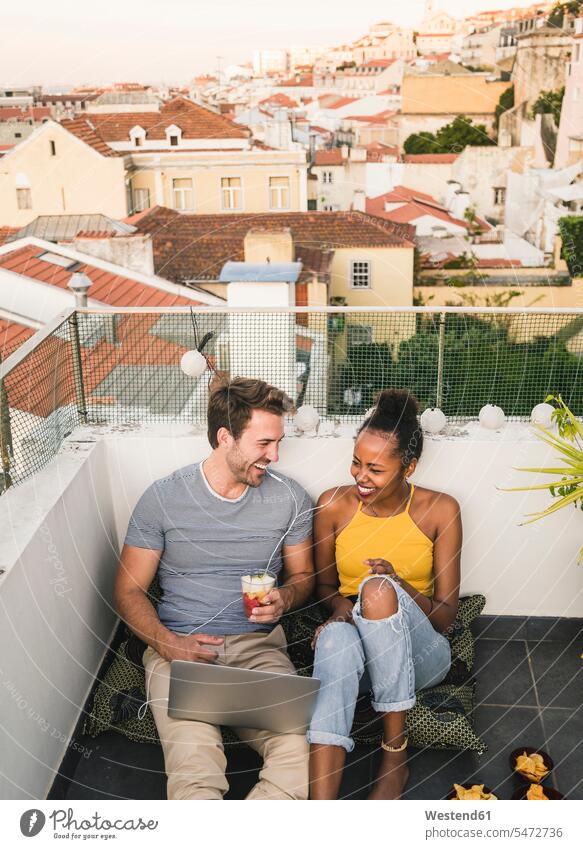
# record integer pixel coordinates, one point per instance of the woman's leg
(403, 653)
(379, 601)
(338, 664)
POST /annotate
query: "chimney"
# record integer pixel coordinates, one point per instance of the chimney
(359, 201)
(79, 284)
(269, 246)
(312, 137)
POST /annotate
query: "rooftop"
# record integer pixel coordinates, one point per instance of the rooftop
(99, 408)
(195, 247)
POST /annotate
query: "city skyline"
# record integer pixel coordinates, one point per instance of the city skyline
(69, 46)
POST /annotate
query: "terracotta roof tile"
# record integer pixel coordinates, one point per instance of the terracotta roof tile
(6, 232)
(109, 288)
(430, 158)
(328, 157)
(24, 113)
(195, 247)
(81, 128)
(280, 99)
(195, 121)
(12, 335)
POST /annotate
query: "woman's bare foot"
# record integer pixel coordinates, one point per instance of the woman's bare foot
(392, 776)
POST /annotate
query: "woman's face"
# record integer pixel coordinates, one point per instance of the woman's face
(377, 467)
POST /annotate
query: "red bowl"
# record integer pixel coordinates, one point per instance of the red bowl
(530, 750)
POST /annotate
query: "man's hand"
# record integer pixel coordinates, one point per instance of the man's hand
(189, 647)
(275, 604)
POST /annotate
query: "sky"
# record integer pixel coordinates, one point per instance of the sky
(70, 42)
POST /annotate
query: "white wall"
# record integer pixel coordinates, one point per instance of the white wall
(529, 570)
(56, 620)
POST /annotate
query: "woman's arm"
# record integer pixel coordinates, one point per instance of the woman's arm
(325, 558)
(441, 610)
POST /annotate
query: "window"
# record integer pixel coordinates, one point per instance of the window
(141, 199)
(173, 141)
(327, 176)
(138, 141)
(231, 193)
(359, 274)
(183, 193)
(23, 199)
(279, 192)
(499, 196)
(359, 334)
(17, 135)
(53, 148)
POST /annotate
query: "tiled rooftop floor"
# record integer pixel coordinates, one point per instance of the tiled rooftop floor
(530, 692)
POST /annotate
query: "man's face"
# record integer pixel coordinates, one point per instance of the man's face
(257, 447)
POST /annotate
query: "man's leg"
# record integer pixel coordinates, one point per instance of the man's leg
(193, 751)
(284, 774)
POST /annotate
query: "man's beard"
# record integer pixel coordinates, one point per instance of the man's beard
(240, 467)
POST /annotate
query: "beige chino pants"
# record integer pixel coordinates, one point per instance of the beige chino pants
(193, 751)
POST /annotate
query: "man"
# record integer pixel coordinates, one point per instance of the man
(202, 528)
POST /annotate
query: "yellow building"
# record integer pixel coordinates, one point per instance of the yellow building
(430, 100)
(193, 160)
(183, 156)
(54, 172)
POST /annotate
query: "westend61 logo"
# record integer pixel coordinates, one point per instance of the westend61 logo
(65, 825)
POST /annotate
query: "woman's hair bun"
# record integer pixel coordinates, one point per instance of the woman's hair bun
(398, 404)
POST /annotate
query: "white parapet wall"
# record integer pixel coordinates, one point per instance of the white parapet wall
(59, 554)
(530, 570)
(62, 530)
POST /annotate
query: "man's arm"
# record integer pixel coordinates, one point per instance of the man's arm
(297, 586)
(136, 571)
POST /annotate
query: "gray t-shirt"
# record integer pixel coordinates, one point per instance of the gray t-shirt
(209, 542)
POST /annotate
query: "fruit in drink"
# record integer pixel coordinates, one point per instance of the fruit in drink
(255, 588)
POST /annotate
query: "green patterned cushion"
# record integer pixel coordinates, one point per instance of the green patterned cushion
(118, 697)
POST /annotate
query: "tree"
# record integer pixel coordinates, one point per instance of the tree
(452, 138)
(558, 12)
(550, 102)
(420, 143)
(571, 230)
(505, 102)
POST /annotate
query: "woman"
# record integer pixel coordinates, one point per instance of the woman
(388, 562)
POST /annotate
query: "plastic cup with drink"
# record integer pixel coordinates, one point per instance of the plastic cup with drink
(254, 588)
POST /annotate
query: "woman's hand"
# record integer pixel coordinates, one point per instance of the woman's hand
(342, 614)
(378, 566)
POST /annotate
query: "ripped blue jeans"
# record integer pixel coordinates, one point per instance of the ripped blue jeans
(397, 656)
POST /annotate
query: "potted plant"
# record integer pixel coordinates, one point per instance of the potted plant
(567, 485)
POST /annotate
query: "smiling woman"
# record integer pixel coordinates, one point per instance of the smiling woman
(387, 563)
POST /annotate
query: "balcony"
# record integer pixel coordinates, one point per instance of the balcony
(94, 407)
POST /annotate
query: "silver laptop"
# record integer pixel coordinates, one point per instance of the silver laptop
(244, 698)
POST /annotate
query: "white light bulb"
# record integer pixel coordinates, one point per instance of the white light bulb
(433, 420)
(542, 415)
(492, 417)
(193, 363)
(306, 418)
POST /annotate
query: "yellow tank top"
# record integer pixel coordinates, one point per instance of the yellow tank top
(396, 539)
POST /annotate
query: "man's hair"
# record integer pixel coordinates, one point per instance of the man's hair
(232, 402)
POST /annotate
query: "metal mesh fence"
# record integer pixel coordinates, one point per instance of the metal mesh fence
(124, 367)
(37, 406)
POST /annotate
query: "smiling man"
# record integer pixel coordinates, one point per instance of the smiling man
(202, 529)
